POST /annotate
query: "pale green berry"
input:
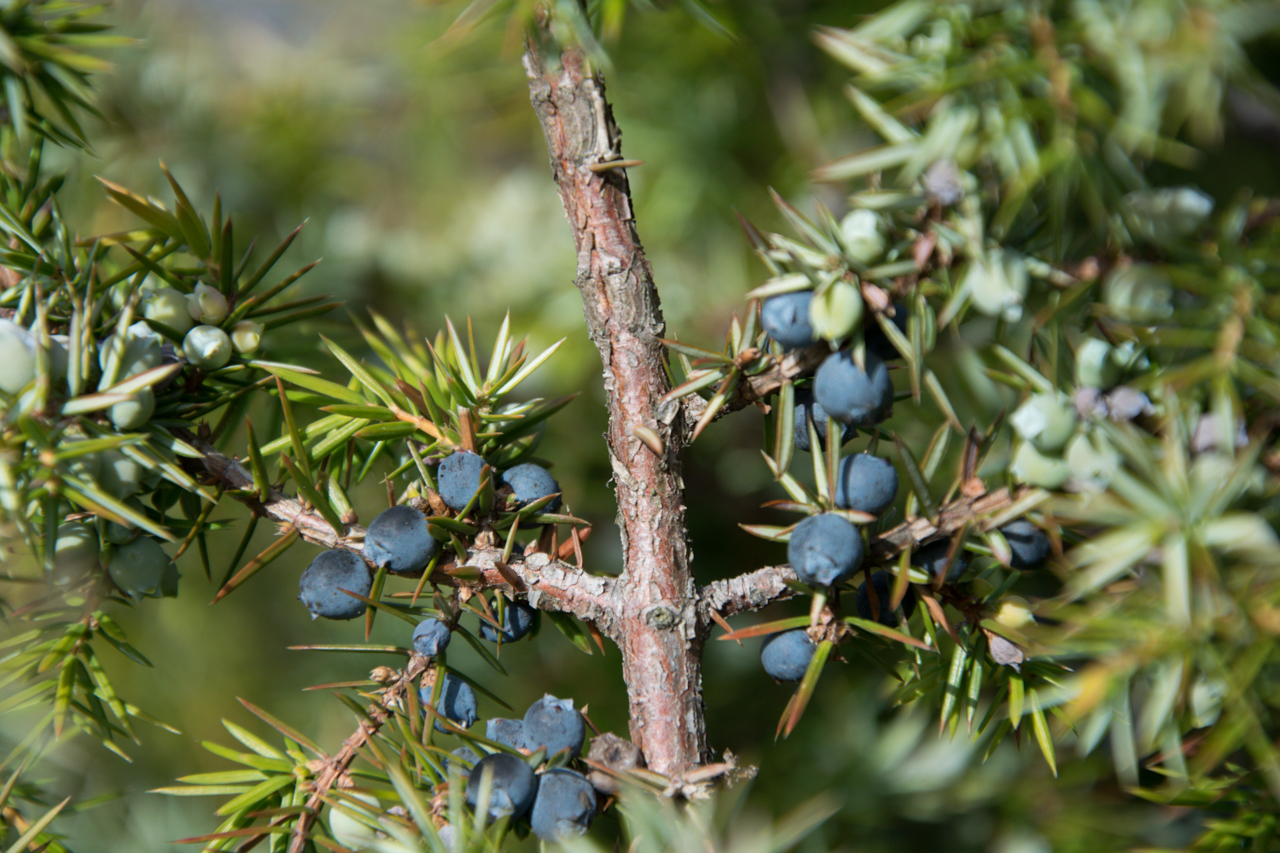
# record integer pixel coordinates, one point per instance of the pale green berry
(1014, 612)
(207, 305)
(348, 831)
(139, 567)
(1211, 471)
(1092, 462)
(997, 284)
(207, 347)
(168, 306)
(1167, 214)
(121, 292)
(87, 466)
(134, 412)
(75, 551)
(17, 357)
(862, 238)
(246, 336)
(119, 534)
(58, 356)
(1095, 368)
(118, 475)
(1138, 293)
(169, 582)
(836, 311)
(138, 351)
(1205, 700)
(1034, 468)
(1045, 420)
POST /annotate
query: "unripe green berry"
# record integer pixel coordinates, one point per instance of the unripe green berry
(17, 357)
(207, 347)
(1034, 468)
(207, 305)
(349, 832)
(58, 357)
(836, 311)
(139, 568)
(75, 551)
(997, 284)
(246, 336)
(1139, 293)
(138, 351)
(118, 475)
(117, 533)
(1045, 420)
(863, 241)
(168, 306)
(134, 412)
(1014, 612)
(1095, 368)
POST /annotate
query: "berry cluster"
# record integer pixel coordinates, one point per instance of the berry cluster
(820, 550)
(506, 767)
(400, 540)
(557, 802)
(827, 550)
(135, 562)
(116, 365)
(460, 474)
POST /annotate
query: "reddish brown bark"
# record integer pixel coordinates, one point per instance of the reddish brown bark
(654, 599)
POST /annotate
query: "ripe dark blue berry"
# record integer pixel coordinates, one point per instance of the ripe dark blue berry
(785, 318)
(458, 479)
(807, 410)
(513, 787)
(518, 619)
(883, 583)
(564, 806)
(825, 550)
(878, 342)
(398, 540)
(505, 731)
(1028, 544)
(866, 483)
(431, 637)
(851, 394)
(322, 585)
(786, 656)
(528, 483)
(467, 759)
(932, 558)
(554, 724)
(457, 702)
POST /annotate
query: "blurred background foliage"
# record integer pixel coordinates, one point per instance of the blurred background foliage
(422, 173)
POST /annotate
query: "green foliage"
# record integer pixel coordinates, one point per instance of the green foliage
(1003, 123)
(1087, 345)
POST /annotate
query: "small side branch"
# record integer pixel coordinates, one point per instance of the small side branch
(753, 389)
(551, 584)
(335, 767)
(756, 590)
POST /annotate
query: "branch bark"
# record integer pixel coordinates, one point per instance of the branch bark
(336, 766)
(550, 583)
(756, 590)
(654, 598)
(752, 389)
